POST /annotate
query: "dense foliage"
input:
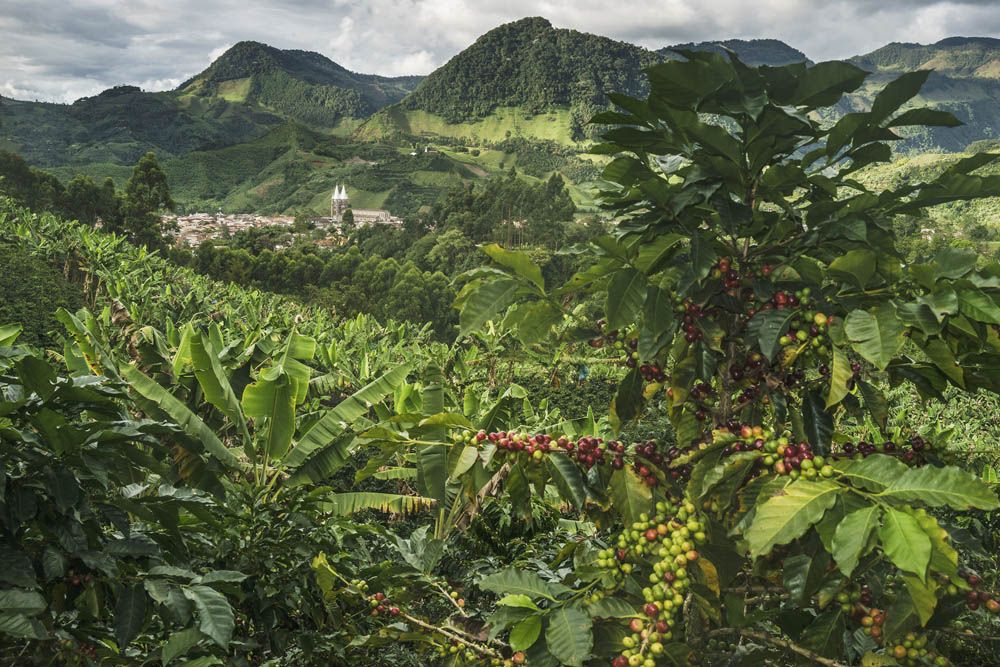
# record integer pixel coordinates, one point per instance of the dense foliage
(134, 212)
(246, 532)
(195, 473)
(765, 309)
(530, 64)
(33, 290)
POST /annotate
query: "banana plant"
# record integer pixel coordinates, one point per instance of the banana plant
(260, 427)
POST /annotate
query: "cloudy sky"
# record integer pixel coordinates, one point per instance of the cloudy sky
(60, 50)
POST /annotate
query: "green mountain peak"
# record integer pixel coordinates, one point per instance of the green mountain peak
(301, 85)
(533, 67)
(957, 57)
(755, 52)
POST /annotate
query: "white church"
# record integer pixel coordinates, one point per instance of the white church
(340, 203)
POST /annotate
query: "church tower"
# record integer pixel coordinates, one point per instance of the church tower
(339, 202)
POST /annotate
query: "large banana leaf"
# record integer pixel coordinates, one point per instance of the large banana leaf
(278, 389)
(182, 356)
(333, 423)
(432, 461)
(326, 461)
(8, 334)
(93, 349)
(344, 504)
(214, 383)
(298, 349)
(272, 399)
(179, 413)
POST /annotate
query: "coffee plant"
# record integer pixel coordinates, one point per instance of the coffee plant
(753, 292)
(91, 537)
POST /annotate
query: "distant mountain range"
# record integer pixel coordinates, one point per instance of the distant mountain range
(522, 80)
(300, 85)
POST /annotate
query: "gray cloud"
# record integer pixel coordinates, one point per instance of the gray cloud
(60, 50)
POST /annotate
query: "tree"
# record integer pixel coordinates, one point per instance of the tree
(110, 205)
(84, 199)
(754, 290)
(146, 194)
(451, 252)
(31, 187)
(347, 226)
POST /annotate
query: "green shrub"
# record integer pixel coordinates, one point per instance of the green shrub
(31, 290)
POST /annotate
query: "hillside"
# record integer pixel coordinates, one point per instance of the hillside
(300, 85)
(122, 123)
(265, 129)
(974, 224)
(966, 82)
(519, 70)
(293, 168)
(244, 94)
(755, 52)
(956, 57)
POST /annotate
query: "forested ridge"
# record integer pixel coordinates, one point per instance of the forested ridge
(300, 85)
(530, 64)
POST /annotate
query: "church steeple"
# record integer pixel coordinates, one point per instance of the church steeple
(339, 201)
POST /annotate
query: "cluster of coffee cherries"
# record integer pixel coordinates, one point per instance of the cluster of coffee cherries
(872, 622)
(797, 459)
(748, 376)
(629, 348)
(808, 329)
(625, 344)
(703, 398)
(533, 446)
(783, 300)
(665, 545)
(780, 453)
(728, 273)
(652, 373)
(654, 458)
(976, 598)
(855, 600)
(380, 604)
(912, 651)
(917, 445)
(587, 450)
(689, 322)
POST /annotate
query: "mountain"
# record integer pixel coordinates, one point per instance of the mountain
(955, 57)
(965, 81)
(247, 92)
(532, 65)
(265, 129)
(300, 85)
(122, 123)
(755, 52)
(517, 72)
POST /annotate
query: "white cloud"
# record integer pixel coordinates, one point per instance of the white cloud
(61, 49)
